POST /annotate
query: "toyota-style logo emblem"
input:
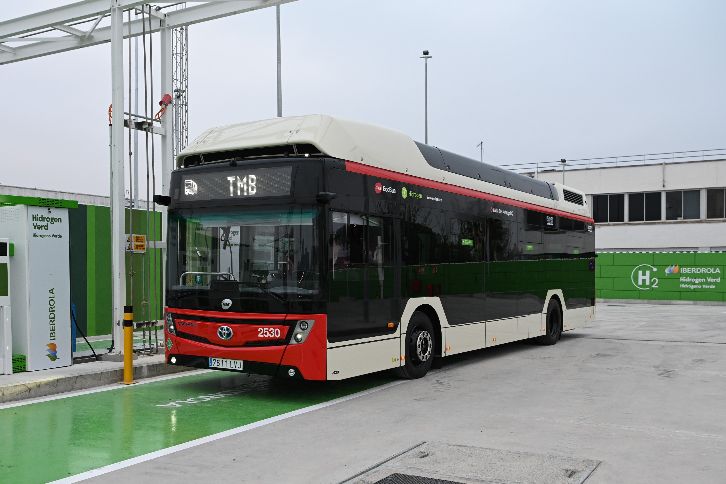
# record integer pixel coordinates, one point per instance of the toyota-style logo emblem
(225, 332)
(226, 304)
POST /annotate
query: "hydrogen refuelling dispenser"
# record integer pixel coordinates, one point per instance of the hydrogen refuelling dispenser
(39, 281)
(6, 338)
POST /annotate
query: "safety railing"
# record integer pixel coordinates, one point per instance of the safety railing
(616, 161)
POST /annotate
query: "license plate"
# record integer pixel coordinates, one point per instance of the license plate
(225, 363)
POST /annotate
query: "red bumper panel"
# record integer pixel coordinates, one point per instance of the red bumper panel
(256, 338)
(310, 356)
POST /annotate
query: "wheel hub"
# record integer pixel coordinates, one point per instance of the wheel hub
(424, 346)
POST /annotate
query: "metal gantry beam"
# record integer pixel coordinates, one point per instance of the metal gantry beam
(24, 30)
(94, 22)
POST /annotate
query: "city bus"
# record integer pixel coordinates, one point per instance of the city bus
(318, 248)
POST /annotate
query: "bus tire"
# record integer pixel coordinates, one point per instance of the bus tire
(554, 324)
(420, 344)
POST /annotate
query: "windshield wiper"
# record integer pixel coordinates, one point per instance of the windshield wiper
(264, 290)
(196, 273)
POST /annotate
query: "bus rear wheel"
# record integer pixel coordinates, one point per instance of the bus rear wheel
(554, 324)
(420, 345)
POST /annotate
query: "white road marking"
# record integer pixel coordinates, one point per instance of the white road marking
(221, 435)
(105, 388)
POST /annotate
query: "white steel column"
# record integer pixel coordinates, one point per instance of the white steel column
(118, 229)
(167, 139)
(135, 174)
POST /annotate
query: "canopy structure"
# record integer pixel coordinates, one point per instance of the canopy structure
(93, 22)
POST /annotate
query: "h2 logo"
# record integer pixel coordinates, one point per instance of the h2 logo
(643, 277)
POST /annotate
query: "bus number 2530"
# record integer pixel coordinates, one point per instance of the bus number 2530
(268, 332)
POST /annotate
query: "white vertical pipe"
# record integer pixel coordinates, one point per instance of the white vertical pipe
(118, 246)
(136, 131)
(167, 139)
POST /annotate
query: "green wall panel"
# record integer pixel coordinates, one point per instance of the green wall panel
(605, 258)
(98, 270)
(4, 282)
(687, 276)
(78, 239)
(668, 258)
(90, 253)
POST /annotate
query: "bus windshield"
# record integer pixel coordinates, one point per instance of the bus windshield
(249, 252)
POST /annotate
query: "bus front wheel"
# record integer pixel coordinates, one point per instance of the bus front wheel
(554, 324)
(420, 346)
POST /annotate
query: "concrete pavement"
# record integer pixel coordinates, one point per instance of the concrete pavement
(641, 391)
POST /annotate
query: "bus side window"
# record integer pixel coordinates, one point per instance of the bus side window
(502, 240)
(424, 238)
(468, 238)
(357, 239)
(532, 228)
(380, 247)
(339, 250)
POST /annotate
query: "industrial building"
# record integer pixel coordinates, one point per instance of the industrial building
(672, 204)
(660, 223)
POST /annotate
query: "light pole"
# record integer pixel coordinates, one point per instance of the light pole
(426, 58)
(563, 161)
(481, 150)
(279, 65)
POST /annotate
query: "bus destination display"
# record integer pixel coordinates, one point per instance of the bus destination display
(235, 184)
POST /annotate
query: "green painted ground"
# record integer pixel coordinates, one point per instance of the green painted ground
(51, 440)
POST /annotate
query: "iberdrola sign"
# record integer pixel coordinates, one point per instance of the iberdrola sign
(675, 277)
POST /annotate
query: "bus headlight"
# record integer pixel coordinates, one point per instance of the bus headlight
(301, 331)
(170, 327)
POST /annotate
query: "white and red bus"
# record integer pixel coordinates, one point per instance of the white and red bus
(318, 248)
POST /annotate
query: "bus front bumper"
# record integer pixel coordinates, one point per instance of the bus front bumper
(288, 359)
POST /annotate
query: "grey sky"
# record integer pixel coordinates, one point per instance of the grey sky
(536, 80)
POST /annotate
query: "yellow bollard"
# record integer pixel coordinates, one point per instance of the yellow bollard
(128, 345)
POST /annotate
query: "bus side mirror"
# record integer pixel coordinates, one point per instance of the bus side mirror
(164, 200)
(326, 197)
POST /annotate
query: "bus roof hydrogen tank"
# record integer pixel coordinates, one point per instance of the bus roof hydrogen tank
(318, 248)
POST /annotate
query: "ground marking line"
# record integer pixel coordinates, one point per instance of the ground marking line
(220, 435)
(104, 388)
(591, 472)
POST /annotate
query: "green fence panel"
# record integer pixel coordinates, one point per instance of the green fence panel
(661, 276)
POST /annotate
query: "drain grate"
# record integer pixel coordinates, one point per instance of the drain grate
(443, 463)
(398, 478)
